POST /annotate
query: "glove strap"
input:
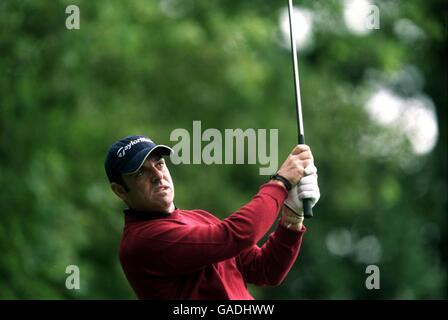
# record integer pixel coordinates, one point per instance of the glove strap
(285, 181)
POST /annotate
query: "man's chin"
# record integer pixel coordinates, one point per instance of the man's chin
(165, 206)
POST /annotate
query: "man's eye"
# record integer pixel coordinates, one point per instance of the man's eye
(140, 173)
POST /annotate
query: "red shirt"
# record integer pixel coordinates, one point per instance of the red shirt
(191, 254)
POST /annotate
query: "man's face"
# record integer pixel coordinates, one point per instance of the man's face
(151, 187)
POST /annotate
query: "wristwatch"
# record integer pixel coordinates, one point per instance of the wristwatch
(285, 181)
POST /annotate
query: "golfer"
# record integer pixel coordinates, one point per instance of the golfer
(171, 253)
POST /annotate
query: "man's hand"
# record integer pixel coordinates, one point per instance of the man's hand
(293, 169)
(306, 189)
(290, 220)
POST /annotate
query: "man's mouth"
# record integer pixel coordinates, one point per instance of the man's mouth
(162, 188)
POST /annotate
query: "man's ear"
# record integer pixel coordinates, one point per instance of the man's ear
(119, 190)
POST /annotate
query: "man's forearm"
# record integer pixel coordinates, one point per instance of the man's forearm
(270, 264)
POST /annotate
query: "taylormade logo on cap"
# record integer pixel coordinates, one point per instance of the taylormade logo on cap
(122, 151)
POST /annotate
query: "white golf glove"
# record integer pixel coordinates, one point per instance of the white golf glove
(307, 188)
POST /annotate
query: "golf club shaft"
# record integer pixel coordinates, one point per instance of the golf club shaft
(307, 210)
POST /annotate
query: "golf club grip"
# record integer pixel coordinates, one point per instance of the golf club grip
(307, 210)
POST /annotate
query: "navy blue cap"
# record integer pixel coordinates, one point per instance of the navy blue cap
(127, 155)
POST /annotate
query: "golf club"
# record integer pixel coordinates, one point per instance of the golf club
(307, 210)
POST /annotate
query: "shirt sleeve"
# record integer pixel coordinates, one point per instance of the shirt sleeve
(270, 264)
(177, 247)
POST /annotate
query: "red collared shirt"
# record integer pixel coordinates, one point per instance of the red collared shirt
(191, 254)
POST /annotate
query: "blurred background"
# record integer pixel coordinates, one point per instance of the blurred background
(375, 117)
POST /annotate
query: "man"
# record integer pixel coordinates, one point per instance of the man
(171, 253)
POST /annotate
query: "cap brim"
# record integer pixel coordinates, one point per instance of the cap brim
(137, 161)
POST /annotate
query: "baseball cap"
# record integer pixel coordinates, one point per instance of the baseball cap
(127, 155)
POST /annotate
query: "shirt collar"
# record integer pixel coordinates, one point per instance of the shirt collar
(145, 215)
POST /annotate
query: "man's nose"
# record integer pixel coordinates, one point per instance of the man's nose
(156, 175)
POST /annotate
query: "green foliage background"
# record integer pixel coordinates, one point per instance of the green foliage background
(149, 67)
